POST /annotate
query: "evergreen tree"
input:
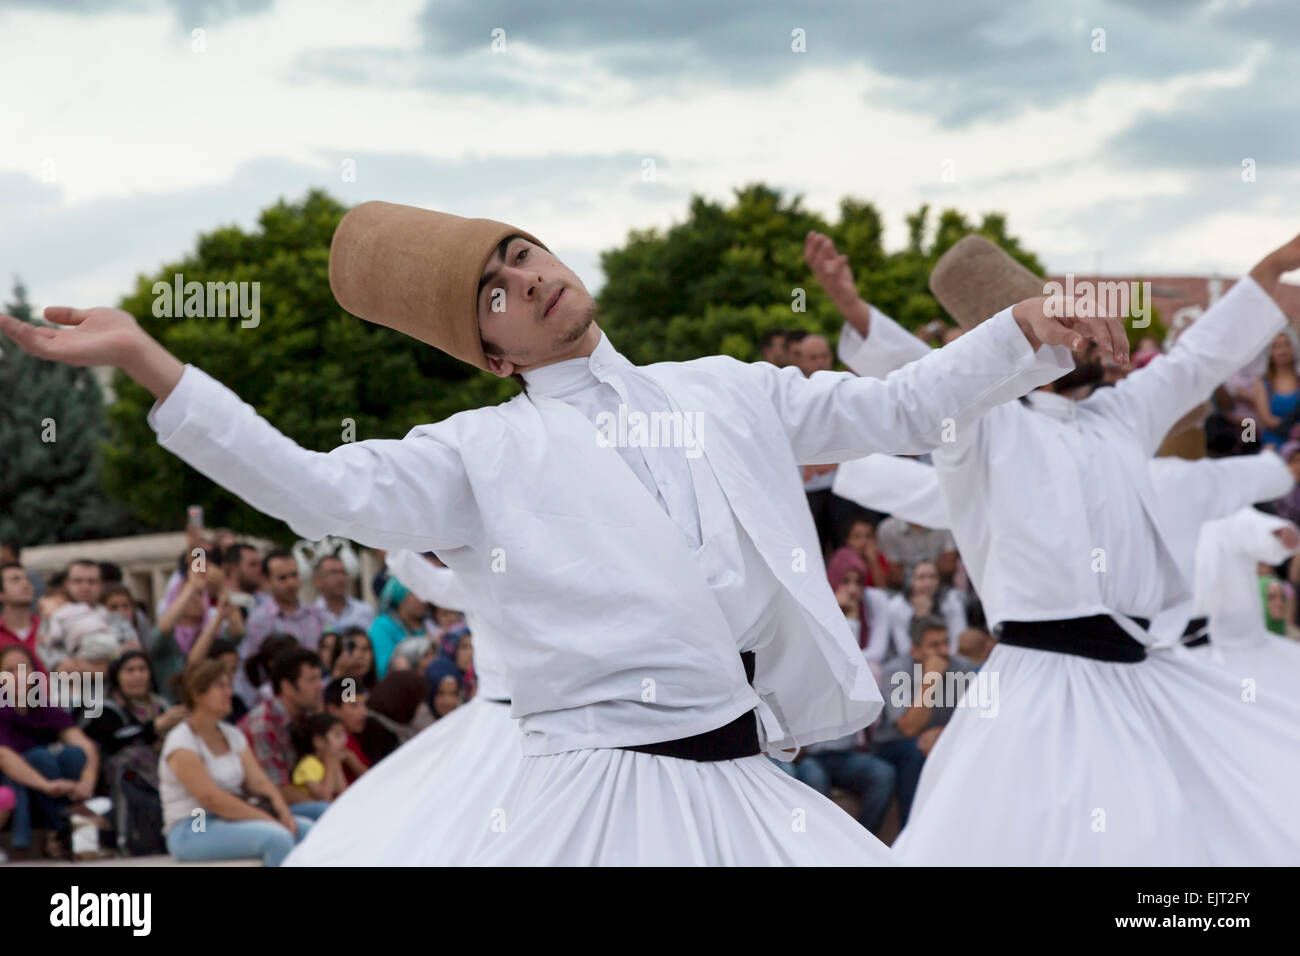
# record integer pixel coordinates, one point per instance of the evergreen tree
(51, 425)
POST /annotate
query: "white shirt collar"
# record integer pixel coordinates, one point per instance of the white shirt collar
(1052, 405)
(573, 375)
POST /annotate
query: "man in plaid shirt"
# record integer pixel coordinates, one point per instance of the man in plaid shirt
(296, 676)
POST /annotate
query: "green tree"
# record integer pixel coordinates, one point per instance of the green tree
(726, 275)
(307, 366)
(51, 424)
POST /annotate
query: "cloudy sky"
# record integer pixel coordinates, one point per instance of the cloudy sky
(124, 132)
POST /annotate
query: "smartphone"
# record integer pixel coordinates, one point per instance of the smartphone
(194, 515)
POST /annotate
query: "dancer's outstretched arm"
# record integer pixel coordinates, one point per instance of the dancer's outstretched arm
(871, 343)
(385, 494)
(833, 417)
(439, 586)
(1229, 335)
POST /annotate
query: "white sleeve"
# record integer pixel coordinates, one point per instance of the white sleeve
(833, 417)
(900, 487)
(887, 346)
(382, 493)
(1222, 340)
(430, 583)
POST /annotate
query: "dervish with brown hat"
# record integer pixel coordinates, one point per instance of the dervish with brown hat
(637, 536)
(1108, 743)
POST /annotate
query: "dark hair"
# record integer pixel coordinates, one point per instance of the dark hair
(276, 553)
(796, 335)
(5, 567)
(257, 667)
(115, 668)
(110, 572)
(288, 665)
(81, 561)
(327, 557)
(22, 649)
(307, 728)
(56, 581)
(767, 338)
(222, 645)
(337, 688)
(197, 679)
(398, 695)
(922, 625)
(13, 545)
(113, 589)
(234, 553)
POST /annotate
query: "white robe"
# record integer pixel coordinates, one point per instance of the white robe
(1090, 762)
(1227, 592)
(593, 591)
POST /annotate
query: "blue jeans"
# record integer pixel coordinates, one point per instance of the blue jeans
(865, 775)
(311, 809)
(67, 764)
(233, 840)
(906, 758)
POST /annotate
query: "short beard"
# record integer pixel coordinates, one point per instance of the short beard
(578, 329)
(1085, 374)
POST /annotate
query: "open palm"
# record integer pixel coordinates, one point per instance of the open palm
(100, 336)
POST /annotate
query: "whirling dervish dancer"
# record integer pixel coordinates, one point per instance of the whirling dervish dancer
(1101, 753)
(661, 605)
(442, 790)
(1228, 596)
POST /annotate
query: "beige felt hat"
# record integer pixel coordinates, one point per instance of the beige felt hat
(976, 279)
(416, 271)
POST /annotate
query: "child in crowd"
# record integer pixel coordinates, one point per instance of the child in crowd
(323, 742)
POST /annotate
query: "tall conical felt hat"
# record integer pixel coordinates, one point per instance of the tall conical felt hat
(976, 279)
(416, 271)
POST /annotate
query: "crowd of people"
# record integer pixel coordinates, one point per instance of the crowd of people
(221, 722)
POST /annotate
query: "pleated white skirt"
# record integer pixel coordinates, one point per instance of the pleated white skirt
(623, 808)
(1269, 662)
(429, 802)
(1163, 762)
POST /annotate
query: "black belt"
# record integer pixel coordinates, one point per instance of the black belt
(497, 700)
(1097, 637)
(731, 742)
(1197, 632)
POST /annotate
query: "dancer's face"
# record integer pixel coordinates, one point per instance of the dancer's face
(532, 310)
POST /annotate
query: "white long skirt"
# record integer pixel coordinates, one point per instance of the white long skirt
(1162, 762)
(1269, 662)
(623, 808)
(429, 802)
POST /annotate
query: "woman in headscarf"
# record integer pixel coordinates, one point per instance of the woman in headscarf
(400, 703)
(401, 616)
(866, 608)
(446, 687)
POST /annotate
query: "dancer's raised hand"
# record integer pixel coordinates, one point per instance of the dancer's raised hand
(1276, 264)
(1042, 328)
(100, 336)
(832, 272)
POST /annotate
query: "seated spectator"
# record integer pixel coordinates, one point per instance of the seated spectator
(322, 744)
(338, 609)
(1279, 605)
(31, 732)
(862, 540)
(80, 616)
(463, 658)
(400, 702)
(217, 802)
(369, 741)
(401, 615)
(331, 645)
(1277, 392)
(54, 598)
(223, 651)
(413, 654)
(284, 613)
(923, 596)
(125, 618)
(256, 672)
(840, 763)
(356, 658)
(775, 349)
(296, 678)
(11, 553)
(446, 687)
(866, 609)
(18, 625)
(243, 566)
(904, 544)
(910, 723)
